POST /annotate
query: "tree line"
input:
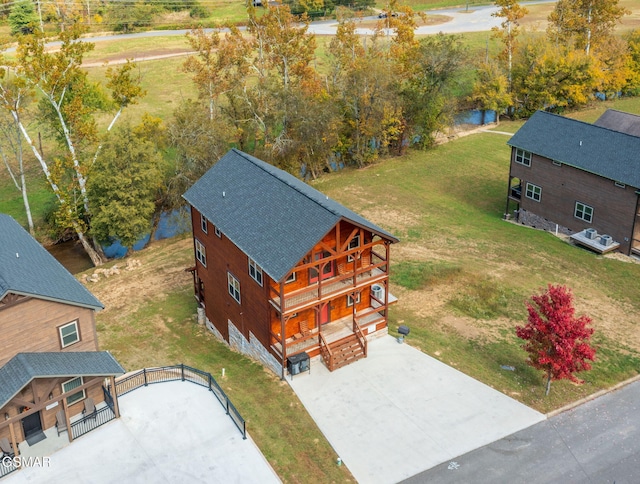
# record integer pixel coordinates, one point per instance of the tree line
(261, 91)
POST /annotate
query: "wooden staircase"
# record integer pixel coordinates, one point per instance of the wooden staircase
(343, 351)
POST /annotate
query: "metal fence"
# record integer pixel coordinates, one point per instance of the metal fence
(7, 465)
(92, 421)
(148, 376)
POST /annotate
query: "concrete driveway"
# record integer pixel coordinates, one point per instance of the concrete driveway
(399, 412)
(173, 432)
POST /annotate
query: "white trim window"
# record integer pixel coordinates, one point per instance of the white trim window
(234, 287)
(353, 244)
(583, 212)
(350, 299)
(201, 253)
(523, 157)
(70, 385)
(217, 231)
(203, 223)
(291, 278)
(69, 334)
(254, 271)
(534, 192)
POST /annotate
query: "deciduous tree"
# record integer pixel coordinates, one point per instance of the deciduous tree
(584, 24)
(511, 12)
(491, 89)
(556, 340)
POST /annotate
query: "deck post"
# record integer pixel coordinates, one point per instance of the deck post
(283, 335)
(116, 407)
(13, 439)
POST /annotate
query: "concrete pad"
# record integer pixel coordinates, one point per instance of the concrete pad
(399, 411)
(175, 432)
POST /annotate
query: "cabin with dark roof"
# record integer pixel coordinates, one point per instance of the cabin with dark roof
(579, 179)
(49, 358)
(282, 272)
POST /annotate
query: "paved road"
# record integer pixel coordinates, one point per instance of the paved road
(596, 442)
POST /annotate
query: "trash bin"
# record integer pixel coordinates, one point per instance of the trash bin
(403, 330)
(298, 363)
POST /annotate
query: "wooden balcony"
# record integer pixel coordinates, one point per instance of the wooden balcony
(328, 289)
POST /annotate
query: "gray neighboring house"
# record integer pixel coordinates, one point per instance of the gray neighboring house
(282, 272)
(49, 358)
(578, 178)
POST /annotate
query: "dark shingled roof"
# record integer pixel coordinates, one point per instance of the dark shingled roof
(269, 214)
(24, 367)
(594, 149)
(618, 121)
(26, 268)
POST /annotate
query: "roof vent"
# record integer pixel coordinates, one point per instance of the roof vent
(17, 255)
(223, 194)
(580, 142)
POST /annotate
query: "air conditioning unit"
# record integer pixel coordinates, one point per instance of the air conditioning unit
(606, 240)
(377, 291)
(591, 233)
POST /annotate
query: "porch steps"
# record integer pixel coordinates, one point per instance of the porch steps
(345, 351)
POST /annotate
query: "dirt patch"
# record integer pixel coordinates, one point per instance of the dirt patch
(393, 220)
(138, 282)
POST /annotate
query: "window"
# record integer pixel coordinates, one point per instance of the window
(350, 299)
(203, 223)
(534, 192)
(584, 212)
(353, 244)
(557, 163)
(254, 271)
(523, 157)
(69, 334)
(201, 253)
(69, 386)
(620, 185)
(217, 231)
(291, 278)
(234, 287)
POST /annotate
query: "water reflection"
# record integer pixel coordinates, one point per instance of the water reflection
(71, 255)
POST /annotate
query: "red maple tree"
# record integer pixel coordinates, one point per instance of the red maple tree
(557, 341)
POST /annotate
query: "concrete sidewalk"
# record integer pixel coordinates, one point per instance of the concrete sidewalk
(173, 432)
(399, 412)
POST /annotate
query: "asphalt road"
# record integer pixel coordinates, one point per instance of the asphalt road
(597, 442)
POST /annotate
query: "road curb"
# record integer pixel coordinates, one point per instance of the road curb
(577, 403)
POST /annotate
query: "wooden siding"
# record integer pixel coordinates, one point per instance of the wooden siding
(31, 325)
(47, 417)
(614, 208)
(222, 256)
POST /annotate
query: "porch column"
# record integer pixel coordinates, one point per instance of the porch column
(283, 334)
(67, 419)
(116, 407)
(13, 439)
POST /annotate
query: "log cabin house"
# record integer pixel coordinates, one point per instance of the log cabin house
(283, 271)
(49, 358)
(579, 179)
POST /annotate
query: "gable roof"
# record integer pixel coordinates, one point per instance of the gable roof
(619, 121)
(591, 148)
(24, 367)
(27, 269)
(267, 213)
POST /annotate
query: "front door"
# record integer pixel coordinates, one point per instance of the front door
(31, 424)
(325, 314)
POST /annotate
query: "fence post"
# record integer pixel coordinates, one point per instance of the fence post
(182, 367)
(144, 372)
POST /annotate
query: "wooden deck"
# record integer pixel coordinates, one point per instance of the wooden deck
(332, 332)
(596, 244)
(330, 288)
